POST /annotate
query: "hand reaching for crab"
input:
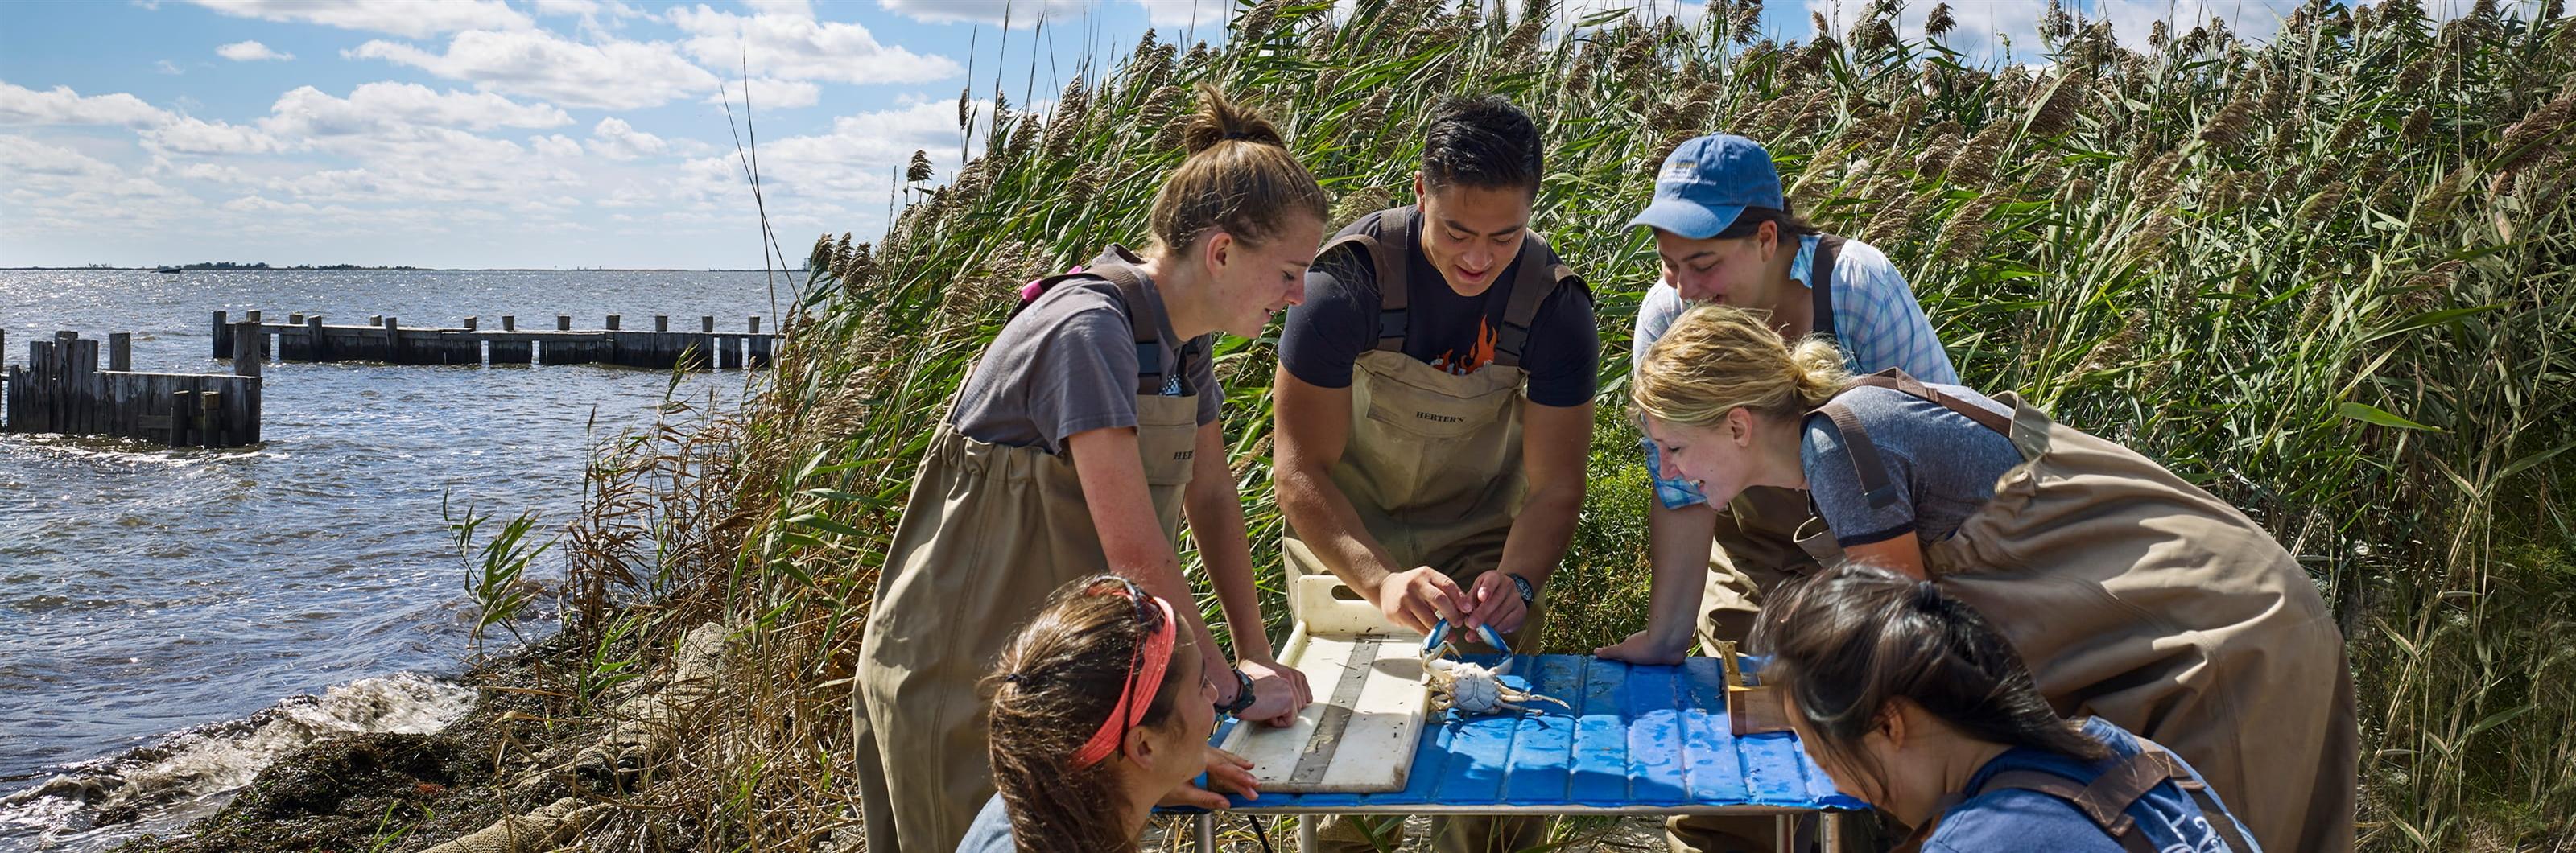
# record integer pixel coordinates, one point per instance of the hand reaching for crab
(1227, 773)
(1278, 692)
(1497, 603)
(1418, 598)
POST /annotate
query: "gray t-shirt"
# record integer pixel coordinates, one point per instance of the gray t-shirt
(1066, 365)
(1943, 465)
(991, 831)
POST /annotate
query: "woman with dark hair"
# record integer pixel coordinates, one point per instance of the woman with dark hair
(2132, 594)
(1098, 716)
(1084, 435)
(1914, 704)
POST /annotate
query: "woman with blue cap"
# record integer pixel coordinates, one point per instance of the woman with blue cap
(1726, 235)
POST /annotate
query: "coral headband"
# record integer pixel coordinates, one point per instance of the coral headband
(1144, 679)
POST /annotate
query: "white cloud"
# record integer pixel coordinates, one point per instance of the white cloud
(381, 107)
(61, 105)
(797, 47)
(420, 19)
(1208, 14)
(250, 51)
(166, 67)
(198, 136)
(616, 75)
(854, 160)
(614, 139)
(555, 145)
(768, 94)
(1024, 14)
(789, 8)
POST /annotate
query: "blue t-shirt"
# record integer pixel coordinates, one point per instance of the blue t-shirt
(1876, 322)
(991, 831)
(1942, 464)
(2005, 820)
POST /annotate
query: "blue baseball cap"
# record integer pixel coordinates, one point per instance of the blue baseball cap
(1709, 181)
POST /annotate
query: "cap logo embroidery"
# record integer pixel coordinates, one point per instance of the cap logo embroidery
(1680, 170)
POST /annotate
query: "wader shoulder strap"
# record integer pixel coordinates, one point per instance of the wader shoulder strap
(1383, 235)
(2106, 799)
(1820, 279)
(1116, 265)
(1863, 453)
(1896, 379)
(1539, 278)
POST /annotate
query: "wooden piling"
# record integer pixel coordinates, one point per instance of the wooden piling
(563, 323)
(120, 351)
(393, 342)
(210, 423)
(317, 345)
(246, 335)
(222, 346)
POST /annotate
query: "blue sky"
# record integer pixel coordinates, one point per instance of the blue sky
(546, 133)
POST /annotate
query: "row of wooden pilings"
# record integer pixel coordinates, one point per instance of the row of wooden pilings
(306, 338)
(61, 389)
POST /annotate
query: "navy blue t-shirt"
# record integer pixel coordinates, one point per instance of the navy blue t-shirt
(1325, 335)
(2005, 820)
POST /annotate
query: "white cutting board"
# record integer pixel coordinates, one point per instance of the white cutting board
(1359, 734)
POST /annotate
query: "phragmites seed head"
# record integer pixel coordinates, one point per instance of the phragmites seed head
(1087, 181)
(1822, 29)
(1358, 203)
(1070, 111)
(1876, 36)
(2363, 20)
(1578, 79)
(1157, 110)
(2418, 123)
(2195, 41)
(1744, 20)
(1523, 40)
(1965, 234)
(919, 169)
(2114, 349)
(2323, 204)
(2056, 25)
(1939, 21)
(1198, 56)
(2147, 245)
(2227, 128)
(965, 107)
(2158, 35)
(2057, 115)
(2532, 137)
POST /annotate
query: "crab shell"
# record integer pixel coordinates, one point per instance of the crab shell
(1473, 688)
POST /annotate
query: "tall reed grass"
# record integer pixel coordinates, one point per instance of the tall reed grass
(2330, 276)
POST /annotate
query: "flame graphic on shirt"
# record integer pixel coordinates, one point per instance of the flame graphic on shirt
(1480, 356)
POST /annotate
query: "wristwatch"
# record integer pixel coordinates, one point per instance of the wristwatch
(1529, 594)
(1242, 695)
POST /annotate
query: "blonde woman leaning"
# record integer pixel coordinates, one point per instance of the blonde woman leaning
(2132, 594)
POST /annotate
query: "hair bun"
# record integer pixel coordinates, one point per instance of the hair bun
(1927, 595)
(1220, 121)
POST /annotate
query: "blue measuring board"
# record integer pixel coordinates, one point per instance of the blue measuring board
(1636, 738)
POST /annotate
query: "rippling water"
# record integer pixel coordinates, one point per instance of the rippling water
(146, 592)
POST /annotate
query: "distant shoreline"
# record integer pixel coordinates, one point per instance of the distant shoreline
(395, 269)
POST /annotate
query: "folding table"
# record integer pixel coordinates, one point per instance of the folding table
(1635, 740)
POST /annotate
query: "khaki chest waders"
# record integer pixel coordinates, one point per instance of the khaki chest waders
(2137, 597)
(988, 533)
(1433, 463)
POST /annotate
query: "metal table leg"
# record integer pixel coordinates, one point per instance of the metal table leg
(1305, 833)
(1784, 833)
(1206, 826)
(1830, 831)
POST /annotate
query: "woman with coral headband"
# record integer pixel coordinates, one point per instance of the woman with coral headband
(1098, 715)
